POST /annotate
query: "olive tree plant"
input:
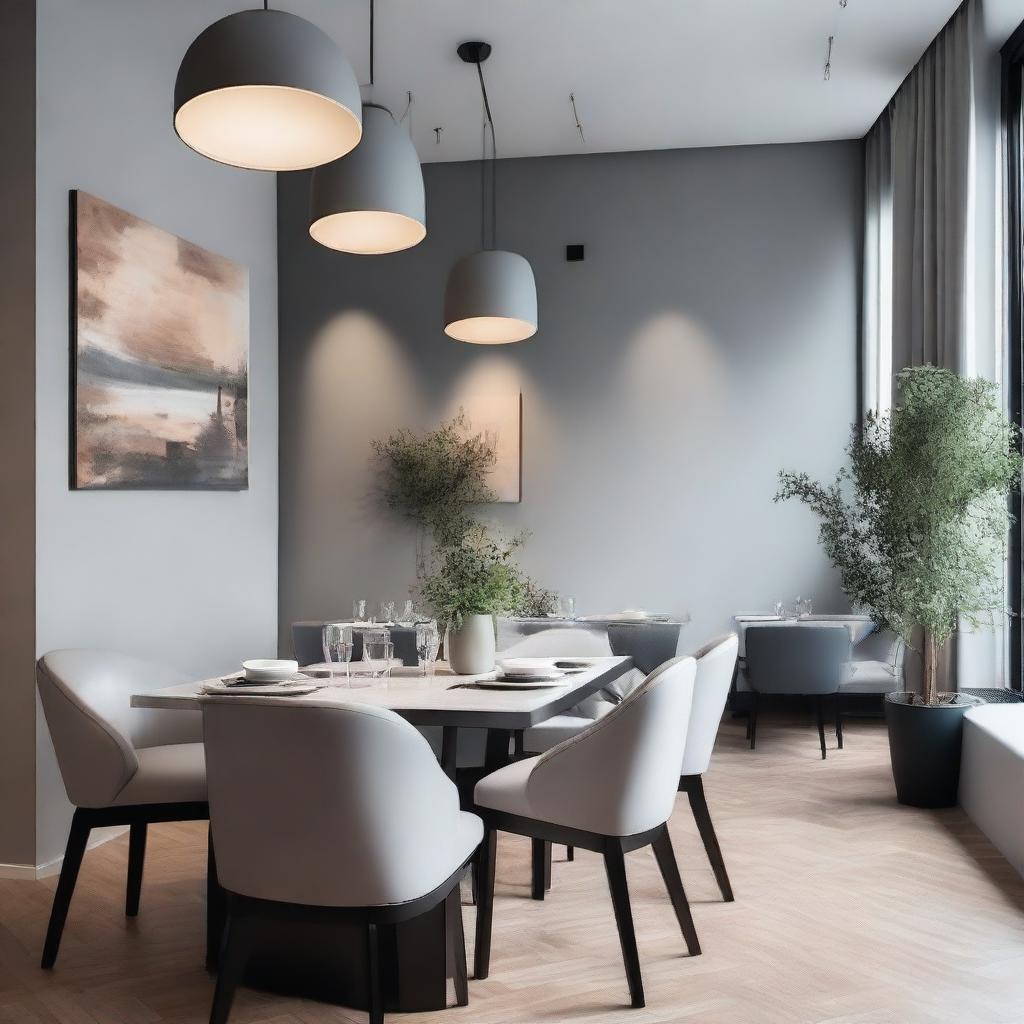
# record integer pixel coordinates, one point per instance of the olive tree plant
(917, 524)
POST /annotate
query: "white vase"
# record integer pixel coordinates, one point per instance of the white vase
(470, 648)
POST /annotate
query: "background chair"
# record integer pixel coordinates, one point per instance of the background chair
(120, 765)
(810, 661)
(611, 790)
(322, 813)
(649, 644)
(716, 662)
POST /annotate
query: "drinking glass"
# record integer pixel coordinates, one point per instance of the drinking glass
(377, 653)
(780, 609)
(408, 615)
(569, 607)
(337, 645)
(805, 608)
(387, 611)
(428, 641)
(359, 610)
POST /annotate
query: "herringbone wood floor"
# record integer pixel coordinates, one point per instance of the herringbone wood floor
(849, 910)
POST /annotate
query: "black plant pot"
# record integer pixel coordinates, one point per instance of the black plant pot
(924, 747)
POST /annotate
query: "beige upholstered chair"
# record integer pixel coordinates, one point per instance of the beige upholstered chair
(716, 662)
(120, 765)
(325, 812)
(611, 789)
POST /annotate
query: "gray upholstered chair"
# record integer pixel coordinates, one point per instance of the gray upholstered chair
(716, 662)
(611, 789)
(810, 661)
(350, 818)
(120, 765)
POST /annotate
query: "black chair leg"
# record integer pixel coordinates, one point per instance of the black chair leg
(570, 853)
(548, 856)
(233, 957)
(457, 944)
(752, 723)
(376, 998)
(818, 702)
(215, 907)
(73, 854)
(136, 860)
(615, 867)
(541, 874)
(666, 858)
(485, 903)
(839, 720)
(701, 814)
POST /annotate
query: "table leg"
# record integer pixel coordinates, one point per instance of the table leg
(496, 755)
(449, 750)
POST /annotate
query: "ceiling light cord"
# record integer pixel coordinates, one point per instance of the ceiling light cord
(489, 123)
(372, 33)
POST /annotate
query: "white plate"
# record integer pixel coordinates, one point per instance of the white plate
(269, 670)
(523, 678)
(507, 684)
(292, 689)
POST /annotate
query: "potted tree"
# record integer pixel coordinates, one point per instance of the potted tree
(468, 584)
(917, 527)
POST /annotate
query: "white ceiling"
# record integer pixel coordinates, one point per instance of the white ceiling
(647, 74)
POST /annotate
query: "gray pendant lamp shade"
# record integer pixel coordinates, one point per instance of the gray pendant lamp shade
(269, 91)
(491, 299)
(371, 200)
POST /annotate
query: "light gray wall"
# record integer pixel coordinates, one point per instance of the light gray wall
(17, 431)
(708, 339)
(185, 578)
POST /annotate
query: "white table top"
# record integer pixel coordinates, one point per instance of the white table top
(431, 700)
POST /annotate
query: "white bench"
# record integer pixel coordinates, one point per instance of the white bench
(992, 776)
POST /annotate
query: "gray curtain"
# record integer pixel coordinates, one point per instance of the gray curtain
(918, 234)
(931, 211)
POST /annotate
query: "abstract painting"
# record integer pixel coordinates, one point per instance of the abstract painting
(160, 346)
(499, 418)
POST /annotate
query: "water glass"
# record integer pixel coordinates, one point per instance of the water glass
(359, 610)
(569, 607)
(377, 653)
(337, 647)
(428, 640)
(805, 608)
(408, 616)
(387, 611)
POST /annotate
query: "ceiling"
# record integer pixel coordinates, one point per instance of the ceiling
(647, 74)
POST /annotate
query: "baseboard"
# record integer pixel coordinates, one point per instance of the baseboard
(32, 872)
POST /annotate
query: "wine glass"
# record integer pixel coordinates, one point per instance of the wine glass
(387, 612)
(408, 616)
(337, 646)
(359, 610)
(427, 643)
(377, 653)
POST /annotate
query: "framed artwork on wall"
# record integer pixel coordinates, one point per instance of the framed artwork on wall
(160, 357)
(499, 417)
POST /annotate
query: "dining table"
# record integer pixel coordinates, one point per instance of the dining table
(328, 962)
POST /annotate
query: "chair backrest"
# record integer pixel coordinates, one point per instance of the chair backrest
(86, 698)
(649, 644)
(716, 662)
(326, 805)
(555, 643)
(808, 660)
(620, 777)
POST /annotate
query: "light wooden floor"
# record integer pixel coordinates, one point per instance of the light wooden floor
(849, 910)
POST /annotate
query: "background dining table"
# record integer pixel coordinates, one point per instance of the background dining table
(329, 965)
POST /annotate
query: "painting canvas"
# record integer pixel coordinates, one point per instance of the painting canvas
(499, 418)
(161, 357)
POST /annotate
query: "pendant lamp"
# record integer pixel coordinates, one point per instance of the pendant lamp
(268, 91)
(371, 201)
(491, 298)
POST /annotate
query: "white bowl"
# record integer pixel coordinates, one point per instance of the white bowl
(268, 670)
(525, 666)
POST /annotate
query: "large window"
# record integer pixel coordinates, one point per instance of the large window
(1013, 120)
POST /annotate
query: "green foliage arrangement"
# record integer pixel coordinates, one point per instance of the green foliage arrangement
(917, 525)
(435, 478)
(478, 576)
